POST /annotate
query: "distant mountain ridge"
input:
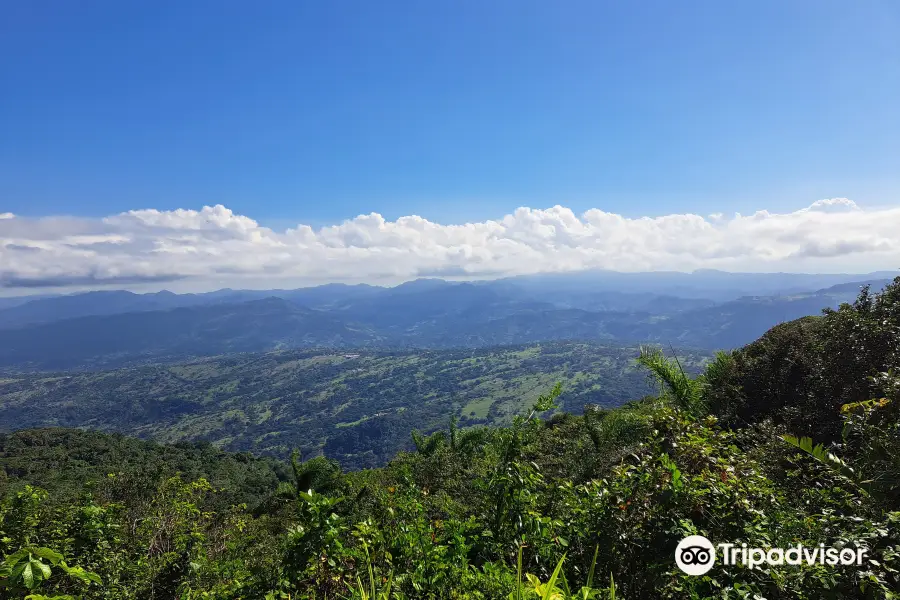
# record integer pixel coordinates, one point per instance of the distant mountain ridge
(116, 328)
(250, 326)
(588, 290)
(48, 309)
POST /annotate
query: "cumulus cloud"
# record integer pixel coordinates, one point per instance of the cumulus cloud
(215, 244)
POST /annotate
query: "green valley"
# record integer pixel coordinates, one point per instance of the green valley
(358, 408)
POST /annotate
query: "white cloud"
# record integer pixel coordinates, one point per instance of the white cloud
(216, 245)
(833, 205)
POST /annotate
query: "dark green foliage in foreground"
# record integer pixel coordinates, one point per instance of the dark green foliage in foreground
(69, 462)
(567, 507)
(453, 524)
(801, 373)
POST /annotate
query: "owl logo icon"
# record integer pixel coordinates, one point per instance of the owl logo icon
(695, 555)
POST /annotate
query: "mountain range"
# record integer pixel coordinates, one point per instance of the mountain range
(706, 309)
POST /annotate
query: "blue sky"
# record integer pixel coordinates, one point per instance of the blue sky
(315, 112)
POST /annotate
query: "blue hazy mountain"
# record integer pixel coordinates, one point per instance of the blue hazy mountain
(118, 327)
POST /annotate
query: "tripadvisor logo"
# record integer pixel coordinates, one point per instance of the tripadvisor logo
(696, 555)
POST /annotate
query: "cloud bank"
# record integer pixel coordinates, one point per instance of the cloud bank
(215, 244)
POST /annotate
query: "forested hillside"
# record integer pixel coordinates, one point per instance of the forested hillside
(355, 407)
(566, 507)
(69, 462)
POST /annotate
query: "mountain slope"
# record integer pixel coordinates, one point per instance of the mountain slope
(44, 310)
(18, 312)
(247, 327)
(658, 293)
(738, 322)
(420, 314)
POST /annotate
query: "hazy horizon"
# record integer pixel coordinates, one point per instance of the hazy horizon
(205, 287)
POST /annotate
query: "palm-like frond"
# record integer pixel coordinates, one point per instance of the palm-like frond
(469, 440)
(825, 457)
(429, 444)
(684, 391)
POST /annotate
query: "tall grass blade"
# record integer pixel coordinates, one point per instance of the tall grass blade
(519, 575)
(551, 584)
(590, 579)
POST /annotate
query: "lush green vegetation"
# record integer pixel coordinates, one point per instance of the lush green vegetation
(564, 507)
(71, 462)
(357, 408)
